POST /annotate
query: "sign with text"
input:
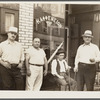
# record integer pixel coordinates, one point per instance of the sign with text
(49, 20)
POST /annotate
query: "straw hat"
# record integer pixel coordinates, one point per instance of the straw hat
(13, 29)
(87, 33)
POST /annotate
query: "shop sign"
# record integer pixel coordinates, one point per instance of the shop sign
(49, 20)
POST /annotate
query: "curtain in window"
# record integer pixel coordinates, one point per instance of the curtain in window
(9, 21)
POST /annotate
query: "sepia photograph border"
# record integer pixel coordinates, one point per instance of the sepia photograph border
(70, 95)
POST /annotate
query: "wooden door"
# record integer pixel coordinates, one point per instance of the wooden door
(74, 43)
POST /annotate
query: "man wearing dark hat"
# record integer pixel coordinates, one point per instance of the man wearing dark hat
(87, 56)
(59, 68)
(11, 61)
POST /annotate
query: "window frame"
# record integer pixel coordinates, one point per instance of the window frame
(3, 12)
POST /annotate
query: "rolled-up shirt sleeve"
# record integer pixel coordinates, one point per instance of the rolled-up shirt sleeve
(77, 58)
(97, 52)
(44, 54)
(0, 51)
(53, 67)
(27, 52)
(22, 54)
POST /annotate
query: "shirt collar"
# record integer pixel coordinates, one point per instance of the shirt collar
(9, 42)
(86, 45)
(60, 60)
(35, 48)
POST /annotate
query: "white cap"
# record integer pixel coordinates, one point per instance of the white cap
(88, 33)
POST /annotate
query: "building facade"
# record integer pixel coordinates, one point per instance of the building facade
(24, 16)
(81, 18)
(20, 16)
(48, 22)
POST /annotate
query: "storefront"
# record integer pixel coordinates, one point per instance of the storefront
(52, 23)
(83, 17)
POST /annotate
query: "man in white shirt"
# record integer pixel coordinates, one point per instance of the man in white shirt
(35, 60)
(59, 68)
(87, 56)
(11, 61)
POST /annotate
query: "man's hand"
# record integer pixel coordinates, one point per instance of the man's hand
(99, 65)
(92, 60)
(20, 65)
(69, 67)
(45, 72)
(61, 77)
(5, 64)
(28, 72)
(76, 69)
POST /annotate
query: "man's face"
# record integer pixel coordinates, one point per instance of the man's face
(12, 36)
(87, 39)
(61, 56)
(36, 42)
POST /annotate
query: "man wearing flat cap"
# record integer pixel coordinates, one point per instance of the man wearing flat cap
(85, 62)
(59, 69)
(11, 61)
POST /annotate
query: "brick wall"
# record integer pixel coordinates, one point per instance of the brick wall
(26, 24)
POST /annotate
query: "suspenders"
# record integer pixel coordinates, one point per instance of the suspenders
(58, 65)
(65, 66)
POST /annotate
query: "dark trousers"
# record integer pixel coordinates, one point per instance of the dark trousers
(11, 79)
(86, 75)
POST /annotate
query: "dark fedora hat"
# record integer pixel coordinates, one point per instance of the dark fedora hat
(60, 51)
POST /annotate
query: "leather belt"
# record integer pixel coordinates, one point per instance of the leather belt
(85, 63)
(14, 65)
(36, 64)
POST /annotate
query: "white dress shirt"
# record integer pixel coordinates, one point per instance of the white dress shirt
(11, 52)
(36, 56)
(62, 66)
(87, 52)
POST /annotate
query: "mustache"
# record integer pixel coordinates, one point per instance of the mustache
(13, 36)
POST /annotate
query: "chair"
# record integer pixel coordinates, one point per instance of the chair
(64, 88)
(61, 87)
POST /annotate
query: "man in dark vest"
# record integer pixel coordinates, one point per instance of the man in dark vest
(59, 69)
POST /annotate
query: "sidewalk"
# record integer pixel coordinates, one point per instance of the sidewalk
(49, 84)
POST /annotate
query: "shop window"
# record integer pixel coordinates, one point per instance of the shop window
(48, 30)
(55, 32)
(8, 18)
(39, 27)
(36, 25)
(44, 27)
(61, 32)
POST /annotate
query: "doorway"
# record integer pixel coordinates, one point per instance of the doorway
(81, 24)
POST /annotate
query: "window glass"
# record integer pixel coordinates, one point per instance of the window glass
(49, 26)
(9, 20)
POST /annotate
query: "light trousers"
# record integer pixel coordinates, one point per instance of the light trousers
(34, 81)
